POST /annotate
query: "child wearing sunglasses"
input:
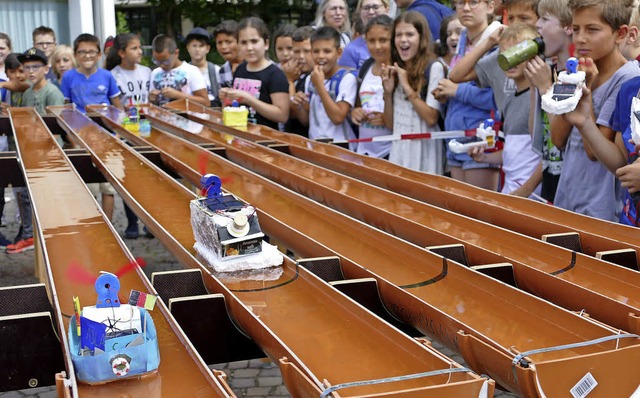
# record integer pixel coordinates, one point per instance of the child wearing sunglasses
(173, 78)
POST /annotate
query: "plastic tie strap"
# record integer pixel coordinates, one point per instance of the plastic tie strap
(520, 357)
(331, 389)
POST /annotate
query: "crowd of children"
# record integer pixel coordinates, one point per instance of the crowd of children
(430, 68)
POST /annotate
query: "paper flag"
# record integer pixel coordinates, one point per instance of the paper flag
(144, 300)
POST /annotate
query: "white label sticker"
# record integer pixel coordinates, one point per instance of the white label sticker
(584, 386)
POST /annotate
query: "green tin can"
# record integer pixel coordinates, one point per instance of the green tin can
(521, 52)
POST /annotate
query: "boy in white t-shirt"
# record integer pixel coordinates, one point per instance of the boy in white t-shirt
(174, 79)
(198, 47)
(326, 102)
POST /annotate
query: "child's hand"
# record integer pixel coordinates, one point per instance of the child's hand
(629, 177)
(494, 38)
(300, 100)
(538, 73)
(171, 92)
(579, 116)
(317, 76)
(358, 115)
(402, 77)
(153, 95)
(376, 119)
(477, 154)
(388, 78)
(589, 67)
(291, 69)
(446, 89)
(228, 95)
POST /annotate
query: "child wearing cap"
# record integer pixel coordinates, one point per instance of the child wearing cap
(198, 46)
(42, 93)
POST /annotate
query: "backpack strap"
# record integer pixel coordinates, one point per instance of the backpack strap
(363, 71)
(334, 83)
(427, 75)
(213, 79)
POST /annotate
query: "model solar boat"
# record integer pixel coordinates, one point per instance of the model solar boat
(564, 95)
(227, 231)
(112, 341)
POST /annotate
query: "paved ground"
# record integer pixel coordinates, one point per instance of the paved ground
(254, 378)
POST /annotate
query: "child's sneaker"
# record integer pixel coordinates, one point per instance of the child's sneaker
(131, 232)
(4, 242)
(21, 246)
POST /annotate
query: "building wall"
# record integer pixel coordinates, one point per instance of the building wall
(18, 18)
(68, 18)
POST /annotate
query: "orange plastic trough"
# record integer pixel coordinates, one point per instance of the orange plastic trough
(320, 337)
(72, 228)
(486, 321)
(605, 291)
(534, 219)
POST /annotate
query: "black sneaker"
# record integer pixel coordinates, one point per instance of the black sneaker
(147, 233)
(131, 232)
(4, 242)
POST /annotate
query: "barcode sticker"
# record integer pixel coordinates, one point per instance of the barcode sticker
(584, 386)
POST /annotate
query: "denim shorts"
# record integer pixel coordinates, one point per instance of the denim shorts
(465, 162)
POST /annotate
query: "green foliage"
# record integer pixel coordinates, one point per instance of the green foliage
(122, 26)
(211, 12)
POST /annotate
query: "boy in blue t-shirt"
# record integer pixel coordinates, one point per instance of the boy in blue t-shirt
(87, 84)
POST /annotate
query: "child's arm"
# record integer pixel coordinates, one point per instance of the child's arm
(530, 185)
(388, 84)
(15, 86)
(199, 96)
(115, 101)
(606, 148)
(277, 111)
(464, 71)
(478, 154)
(424, 110)
(337, 111)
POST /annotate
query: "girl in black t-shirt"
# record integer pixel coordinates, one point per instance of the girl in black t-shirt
(258, 83)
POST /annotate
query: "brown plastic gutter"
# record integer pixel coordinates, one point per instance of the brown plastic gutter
(315, 331)
(486, 321)
(522, 215)
(72, 228)
(605, 291)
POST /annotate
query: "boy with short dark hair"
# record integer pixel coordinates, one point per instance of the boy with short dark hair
(297, 70)
(225, 35)
(173, 78)
(198, 48)
(585, 186)
(331, 93)
(17, 83)
(88, 84)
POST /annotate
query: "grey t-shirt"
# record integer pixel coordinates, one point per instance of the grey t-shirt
(46, 96)
(516, 113)
(491, 75)
(586, 186)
